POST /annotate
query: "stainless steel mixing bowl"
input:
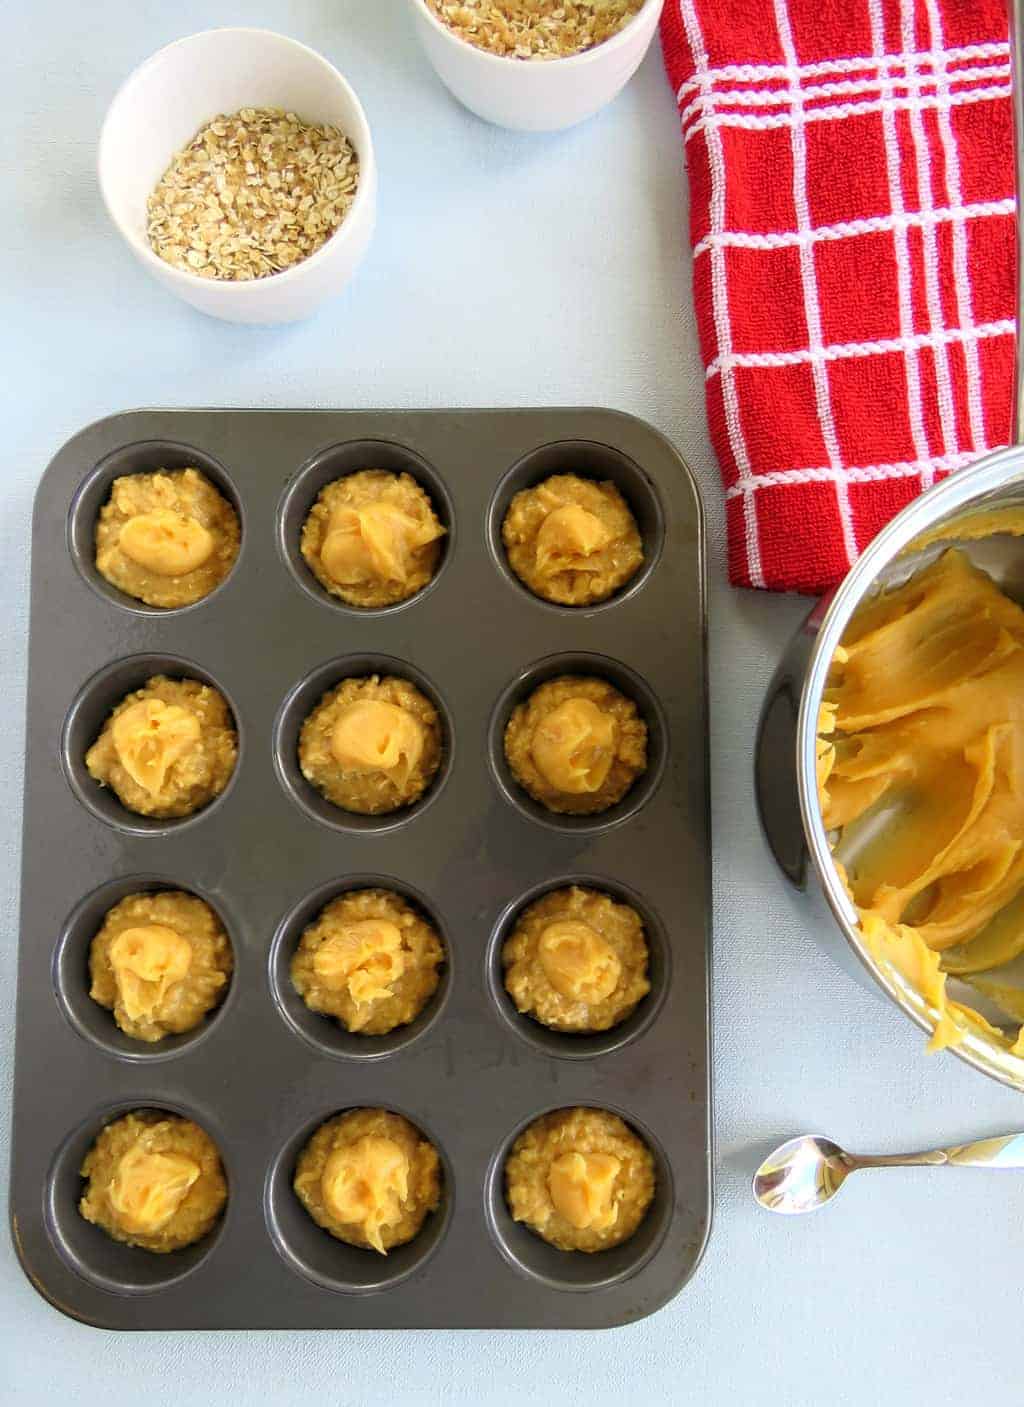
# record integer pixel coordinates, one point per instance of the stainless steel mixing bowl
(788, 794)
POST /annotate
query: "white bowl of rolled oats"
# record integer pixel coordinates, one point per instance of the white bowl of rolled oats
(239, 168)
(536, 65)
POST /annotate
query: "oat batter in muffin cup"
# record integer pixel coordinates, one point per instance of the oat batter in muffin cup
(576, 961)
(153, 1180)
(572, 541)
(370, 1178)
(167, 538)
(372, 538)
(580, 1178)
(161, 963)
(576, 745)
(168, 749)
(370, 960)
(371, 746)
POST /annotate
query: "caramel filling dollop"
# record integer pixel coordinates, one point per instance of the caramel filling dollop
(147, 962)
(568, 537)
(574, 746)
(148, 1188)
(150, 737)
(166, 542)
(578, 962)
(371, 736)
(372, 543)
(582, 1186)
(365, 1184)
(365, 957)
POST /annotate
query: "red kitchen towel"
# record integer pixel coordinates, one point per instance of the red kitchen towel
(851, 215)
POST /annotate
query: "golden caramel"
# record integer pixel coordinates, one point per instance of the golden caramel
(582, 1189)
(146, 962)
(148, 1188)
(150, 737)
(365, 1184)
(921, 735)
(573, 746)
(166, 542)
(578, 962)
(372, 736)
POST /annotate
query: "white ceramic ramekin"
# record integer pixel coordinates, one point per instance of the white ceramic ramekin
(163, 104)
(536, 95)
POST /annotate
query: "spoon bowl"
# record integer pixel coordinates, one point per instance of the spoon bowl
(802, 1175)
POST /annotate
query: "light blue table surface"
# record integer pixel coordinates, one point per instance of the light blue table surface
(507, 270)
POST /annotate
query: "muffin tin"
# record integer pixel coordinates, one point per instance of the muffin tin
(262, 1073)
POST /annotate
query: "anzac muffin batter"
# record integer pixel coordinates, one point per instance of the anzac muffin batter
(577, 745)
(580, 1179)
(571, 540)
(370, 1178)
(371, 745)
(167, 538)
(370, 960)
(160, 963)
(577, 961)
(167, 749)
(153, 1180)
(372, 538)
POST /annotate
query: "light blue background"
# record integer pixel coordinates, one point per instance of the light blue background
(507, 270)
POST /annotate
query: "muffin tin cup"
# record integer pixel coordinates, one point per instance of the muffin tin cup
(301, 702)
(567, 1045)
(262, 1071)
(85, 720)
(628, 682)
(310, 1251)
(337, 462)
(113, 1266)
(325, 1034)
(537, 1259)
(71, 981)
(141, 457)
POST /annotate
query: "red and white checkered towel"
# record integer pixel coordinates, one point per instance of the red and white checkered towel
(851, 182)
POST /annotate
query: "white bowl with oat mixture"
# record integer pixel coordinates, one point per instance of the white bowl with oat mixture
(536, 94)
(165, 102)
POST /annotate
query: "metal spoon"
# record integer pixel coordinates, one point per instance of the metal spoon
(805, 1173)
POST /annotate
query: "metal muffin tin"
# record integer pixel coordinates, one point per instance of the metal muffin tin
(263, 1072)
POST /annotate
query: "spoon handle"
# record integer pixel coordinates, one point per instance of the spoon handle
(1005, 1152)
